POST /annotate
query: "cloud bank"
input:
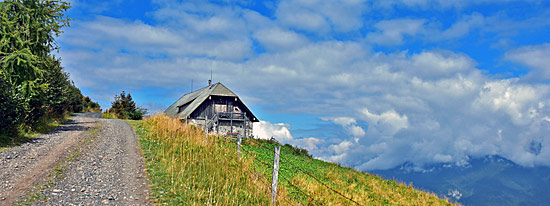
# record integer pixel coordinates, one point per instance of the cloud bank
(424, 106)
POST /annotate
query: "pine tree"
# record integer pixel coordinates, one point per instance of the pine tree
(125, 108)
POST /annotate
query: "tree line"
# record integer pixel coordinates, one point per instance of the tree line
(33, 85)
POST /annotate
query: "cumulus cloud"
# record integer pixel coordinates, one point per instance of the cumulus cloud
(392, 32)
(321, 16)
(438, 64)
(397, 107)
(463, 26)
(535, 57)
(475, 117)
(281, 132)
(434, 4)
(266, 130)
(349, 124)
(385, 124)
(276, 39)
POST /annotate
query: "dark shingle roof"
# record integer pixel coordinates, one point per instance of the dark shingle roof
(191, 101)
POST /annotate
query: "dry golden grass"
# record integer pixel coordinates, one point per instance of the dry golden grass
(364, 189)
(311, 181)
(187, 168)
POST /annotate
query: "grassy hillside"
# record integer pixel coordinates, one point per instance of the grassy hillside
(186, 167)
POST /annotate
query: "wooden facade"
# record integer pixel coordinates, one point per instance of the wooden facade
(215, 109)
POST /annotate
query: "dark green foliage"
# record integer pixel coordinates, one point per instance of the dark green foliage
(125, 108)
(27, 38)
(11, 105)
(34, 87)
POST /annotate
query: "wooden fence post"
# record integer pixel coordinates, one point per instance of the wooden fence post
(206, 127)
(275, 174)
(239, 139)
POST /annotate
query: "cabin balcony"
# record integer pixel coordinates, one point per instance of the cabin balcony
(230, 116)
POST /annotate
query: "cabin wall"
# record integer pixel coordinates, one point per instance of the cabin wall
(224, 128)
(212, 107)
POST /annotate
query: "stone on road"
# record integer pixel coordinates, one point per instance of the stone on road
(108, 170)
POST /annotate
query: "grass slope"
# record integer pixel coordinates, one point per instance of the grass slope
(187, 168)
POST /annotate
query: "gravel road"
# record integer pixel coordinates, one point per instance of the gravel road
(89, 161)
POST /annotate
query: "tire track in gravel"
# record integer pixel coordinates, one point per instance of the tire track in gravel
(108, 171)
(21, 166)
(111, 172)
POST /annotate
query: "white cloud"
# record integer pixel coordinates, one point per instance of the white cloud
(422, 107)
(385, 124)
(266, 130)
(321, 16)
(436, 4)
(392, 32)
(309, 143)
(438, 64)
(275, 39)
(464, 26)
(349, 124)
(281, 132)
(133, 32)
(535, 57)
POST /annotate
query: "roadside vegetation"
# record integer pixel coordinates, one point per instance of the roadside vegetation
(311, 181)
(124, 108)
(187, 167)
(35, 93)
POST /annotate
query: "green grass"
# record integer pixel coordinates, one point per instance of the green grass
(312, 181)
(187, 168)
(108, 115)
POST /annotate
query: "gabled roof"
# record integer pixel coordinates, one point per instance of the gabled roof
(191, 101)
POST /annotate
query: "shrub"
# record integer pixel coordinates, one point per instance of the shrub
(125, 108)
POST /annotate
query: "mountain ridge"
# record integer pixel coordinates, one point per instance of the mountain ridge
(489, 180)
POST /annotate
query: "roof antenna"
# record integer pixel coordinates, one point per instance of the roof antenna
(210, 80)
(191, 85)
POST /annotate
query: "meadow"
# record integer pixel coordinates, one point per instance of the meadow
(187, 167)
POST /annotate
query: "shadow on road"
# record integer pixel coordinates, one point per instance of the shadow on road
(72, 125)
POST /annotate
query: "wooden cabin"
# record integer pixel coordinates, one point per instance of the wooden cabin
(216, 109)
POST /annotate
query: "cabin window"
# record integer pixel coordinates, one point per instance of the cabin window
(220, 108)
(237, 109)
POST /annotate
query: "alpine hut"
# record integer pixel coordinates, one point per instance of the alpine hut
(215, 108)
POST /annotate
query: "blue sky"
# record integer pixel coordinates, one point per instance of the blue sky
(368, 84)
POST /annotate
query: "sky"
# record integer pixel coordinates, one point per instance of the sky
(366, 84)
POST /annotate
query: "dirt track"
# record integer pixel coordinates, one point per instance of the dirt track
(89, 161)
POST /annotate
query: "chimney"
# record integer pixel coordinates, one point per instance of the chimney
(209, 82)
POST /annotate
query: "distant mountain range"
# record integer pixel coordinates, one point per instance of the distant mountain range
(492, 180)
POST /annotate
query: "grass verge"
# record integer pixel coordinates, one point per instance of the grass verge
(314, 182)
(186, 168)
(108, 115)
(25, 134)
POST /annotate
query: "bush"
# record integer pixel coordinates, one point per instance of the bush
(125, 108)
(12, 107)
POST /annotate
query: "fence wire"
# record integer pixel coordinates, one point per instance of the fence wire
(306, 173)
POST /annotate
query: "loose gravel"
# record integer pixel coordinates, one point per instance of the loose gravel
(88, 169)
